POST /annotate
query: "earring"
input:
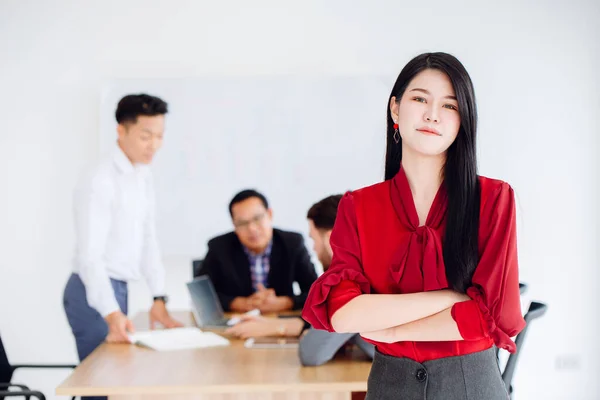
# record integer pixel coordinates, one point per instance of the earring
(396, 134)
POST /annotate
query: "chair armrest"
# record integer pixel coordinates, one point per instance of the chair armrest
(47, 366)
(522, 287)
(5, 386)
(536, 310)
(22, 393)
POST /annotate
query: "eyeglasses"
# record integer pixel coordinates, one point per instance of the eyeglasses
(246, 224)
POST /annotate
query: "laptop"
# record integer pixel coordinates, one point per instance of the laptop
(206, 305)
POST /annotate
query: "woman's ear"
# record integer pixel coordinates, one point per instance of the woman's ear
(394, 108)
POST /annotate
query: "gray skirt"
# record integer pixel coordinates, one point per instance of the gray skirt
(470, 377)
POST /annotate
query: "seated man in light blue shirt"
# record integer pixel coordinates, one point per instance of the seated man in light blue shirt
(115, 232)
(316, 346)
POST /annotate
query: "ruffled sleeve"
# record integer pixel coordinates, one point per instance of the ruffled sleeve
(344, 280)
(495, 310)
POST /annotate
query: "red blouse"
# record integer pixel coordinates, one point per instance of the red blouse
(378, 247)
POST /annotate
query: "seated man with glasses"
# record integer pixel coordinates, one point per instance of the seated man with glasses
(316, 346)
(255, 266)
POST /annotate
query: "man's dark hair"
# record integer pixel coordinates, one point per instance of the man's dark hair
(132, 106)
(245, 195)
(323, 213)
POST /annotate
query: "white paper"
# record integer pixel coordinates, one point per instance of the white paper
(177, 339)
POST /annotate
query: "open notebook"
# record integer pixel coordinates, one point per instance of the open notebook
(177, 339)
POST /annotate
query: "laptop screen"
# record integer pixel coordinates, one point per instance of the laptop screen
(207, 305)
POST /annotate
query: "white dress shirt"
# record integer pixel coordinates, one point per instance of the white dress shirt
(115, 231)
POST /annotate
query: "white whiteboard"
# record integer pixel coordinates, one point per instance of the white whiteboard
(296, 139)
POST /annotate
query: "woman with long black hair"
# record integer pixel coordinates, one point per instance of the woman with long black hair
(425, 263)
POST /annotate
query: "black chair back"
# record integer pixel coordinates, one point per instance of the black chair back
(536, 310)
(6, 370)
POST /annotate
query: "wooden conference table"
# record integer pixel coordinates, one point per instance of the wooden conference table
(234, 372)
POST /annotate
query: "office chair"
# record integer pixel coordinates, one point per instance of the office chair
(24, 392)
(536, 310)
(6, 373)
(197, 268)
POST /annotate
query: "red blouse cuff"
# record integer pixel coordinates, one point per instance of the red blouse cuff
(317, 308)
(501, 339)
(469, 320)
(340, 295)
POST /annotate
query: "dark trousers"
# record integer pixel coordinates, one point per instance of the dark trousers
(470, 377)
(88, 326)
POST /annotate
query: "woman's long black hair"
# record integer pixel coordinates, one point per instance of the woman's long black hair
(460, 247)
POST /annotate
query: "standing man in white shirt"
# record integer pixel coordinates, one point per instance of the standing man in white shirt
(115, 232)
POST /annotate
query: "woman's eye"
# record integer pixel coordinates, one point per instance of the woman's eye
(451, 107)
(419, 99)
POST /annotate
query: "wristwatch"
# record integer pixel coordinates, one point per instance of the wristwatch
(163, 298)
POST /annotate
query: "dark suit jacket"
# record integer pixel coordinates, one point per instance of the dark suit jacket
(228, 267)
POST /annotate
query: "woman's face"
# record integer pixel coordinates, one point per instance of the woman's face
(427, 114)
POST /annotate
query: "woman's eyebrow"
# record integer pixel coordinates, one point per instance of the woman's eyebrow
(427, 92)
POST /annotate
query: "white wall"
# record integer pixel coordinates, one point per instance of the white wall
(535, 71)
(275, 133)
